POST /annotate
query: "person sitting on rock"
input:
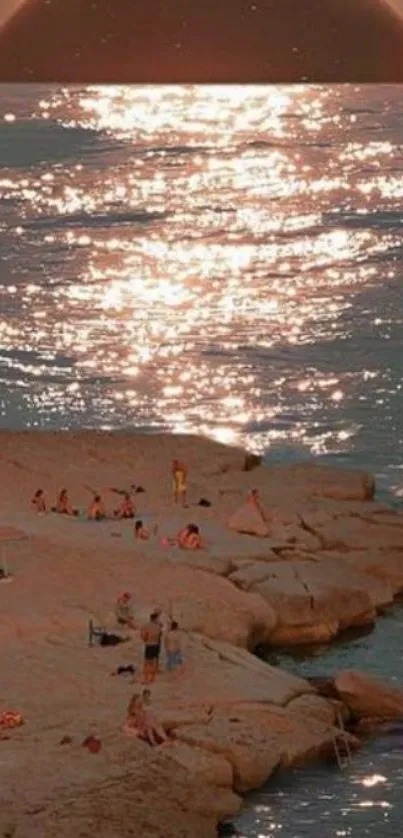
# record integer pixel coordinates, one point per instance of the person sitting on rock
(39, 501)
(126, 508)
(124, 611)
(142, 722)
(96, 509)
(63, 504)
(189, 538)
(140, 531)
(255, 501)
(153, 728)
(250, 518)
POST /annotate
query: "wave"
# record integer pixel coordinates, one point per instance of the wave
(32, 142)
(351, 218)
(107, 219)
(176, 150)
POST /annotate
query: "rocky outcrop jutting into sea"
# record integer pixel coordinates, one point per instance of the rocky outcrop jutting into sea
(332, 559)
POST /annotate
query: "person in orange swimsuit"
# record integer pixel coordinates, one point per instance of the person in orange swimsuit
(179, 474)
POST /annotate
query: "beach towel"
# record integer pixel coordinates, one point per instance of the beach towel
(248, 520)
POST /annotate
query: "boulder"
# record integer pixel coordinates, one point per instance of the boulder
(367, 697)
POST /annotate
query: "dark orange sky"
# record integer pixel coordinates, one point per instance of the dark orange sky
(205, 41)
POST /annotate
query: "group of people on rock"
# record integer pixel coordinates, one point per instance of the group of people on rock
(96, 510)
(155, 634)
(141, 720)
(188, 538)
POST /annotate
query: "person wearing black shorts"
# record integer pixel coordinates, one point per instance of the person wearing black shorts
(151, 635)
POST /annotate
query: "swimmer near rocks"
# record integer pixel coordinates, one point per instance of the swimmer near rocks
(193, 720)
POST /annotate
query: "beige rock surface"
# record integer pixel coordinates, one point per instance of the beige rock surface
(383, 565)
(247, 520)
(354, 533)
(313, 600)
(233, 718)
(257, 740)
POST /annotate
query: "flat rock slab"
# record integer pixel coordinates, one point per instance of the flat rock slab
(314, 600)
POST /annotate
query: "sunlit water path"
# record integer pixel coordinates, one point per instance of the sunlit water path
(226, 261)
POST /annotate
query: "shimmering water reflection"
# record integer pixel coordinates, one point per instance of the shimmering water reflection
(219, 260)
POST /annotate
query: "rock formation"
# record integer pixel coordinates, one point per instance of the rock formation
(232, 718)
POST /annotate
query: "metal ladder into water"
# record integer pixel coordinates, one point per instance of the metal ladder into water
(341, 743)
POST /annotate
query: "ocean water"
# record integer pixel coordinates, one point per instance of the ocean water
(227, 261)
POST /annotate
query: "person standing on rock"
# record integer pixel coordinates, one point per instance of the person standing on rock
(173, 648)
(151, 635)
(179, 474)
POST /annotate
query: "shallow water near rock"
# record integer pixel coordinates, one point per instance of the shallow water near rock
(363, 799)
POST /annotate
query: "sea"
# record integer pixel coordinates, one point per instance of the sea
(225, 261)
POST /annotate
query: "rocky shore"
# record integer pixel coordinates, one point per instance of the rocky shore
(333, 560)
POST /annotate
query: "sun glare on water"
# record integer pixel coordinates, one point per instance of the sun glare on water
(198, 231)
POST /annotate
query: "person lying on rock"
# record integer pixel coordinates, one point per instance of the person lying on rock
(96, 510)
(189, 538)
(140, 531)
(173, 648)
(124, 611)
(151, 635)
(39, 502)
(126, 508)
(63, 504)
